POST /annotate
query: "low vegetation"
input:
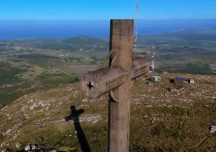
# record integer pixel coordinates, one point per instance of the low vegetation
(161, 120)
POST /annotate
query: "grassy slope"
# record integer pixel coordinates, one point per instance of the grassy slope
(160, 120)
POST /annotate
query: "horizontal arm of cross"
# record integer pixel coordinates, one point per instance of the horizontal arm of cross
(101, 81)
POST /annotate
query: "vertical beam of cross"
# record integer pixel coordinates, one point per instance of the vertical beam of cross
(121, 46)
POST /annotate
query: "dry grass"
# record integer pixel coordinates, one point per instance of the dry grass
(160, 120)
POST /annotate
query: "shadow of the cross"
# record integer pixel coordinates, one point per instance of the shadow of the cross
(74, 116)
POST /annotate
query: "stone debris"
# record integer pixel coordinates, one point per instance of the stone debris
(93, 118)
(154, 117)
(31, 147)
(4, 108)
(7, 132)
(212, 129)
(85, 100)
(86, 118)
(18, 146)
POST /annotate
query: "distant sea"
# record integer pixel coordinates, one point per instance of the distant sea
(24, 29)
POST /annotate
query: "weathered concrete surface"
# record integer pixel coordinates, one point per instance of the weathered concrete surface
(121, 46)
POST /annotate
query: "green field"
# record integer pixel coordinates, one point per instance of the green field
(33, 64)
(56, 79)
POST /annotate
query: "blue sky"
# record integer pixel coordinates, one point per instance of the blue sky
(106, 9)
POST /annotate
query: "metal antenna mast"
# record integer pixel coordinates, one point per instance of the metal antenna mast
(152, 67)
(136, 25)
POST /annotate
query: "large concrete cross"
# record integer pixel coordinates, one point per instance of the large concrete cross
(116, 80)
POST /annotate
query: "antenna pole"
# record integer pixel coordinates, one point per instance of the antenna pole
(136, 24)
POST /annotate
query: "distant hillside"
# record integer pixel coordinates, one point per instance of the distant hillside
(26, 65)
(189, 38)
(182, 36)
(191, 51)
(199, 41)
(195, 35)
(82, 43)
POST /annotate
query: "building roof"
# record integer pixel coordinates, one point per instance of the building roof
(156, 77)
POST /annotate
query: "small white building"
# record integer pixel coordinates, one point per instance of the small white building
(155, 79)
(186, 80)
(191, 81)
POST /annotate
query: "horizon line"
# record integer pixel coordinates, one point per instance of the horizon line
(104, 19)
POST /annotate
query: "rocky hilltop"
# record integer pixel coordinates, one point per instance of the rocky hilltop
(165, 116)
